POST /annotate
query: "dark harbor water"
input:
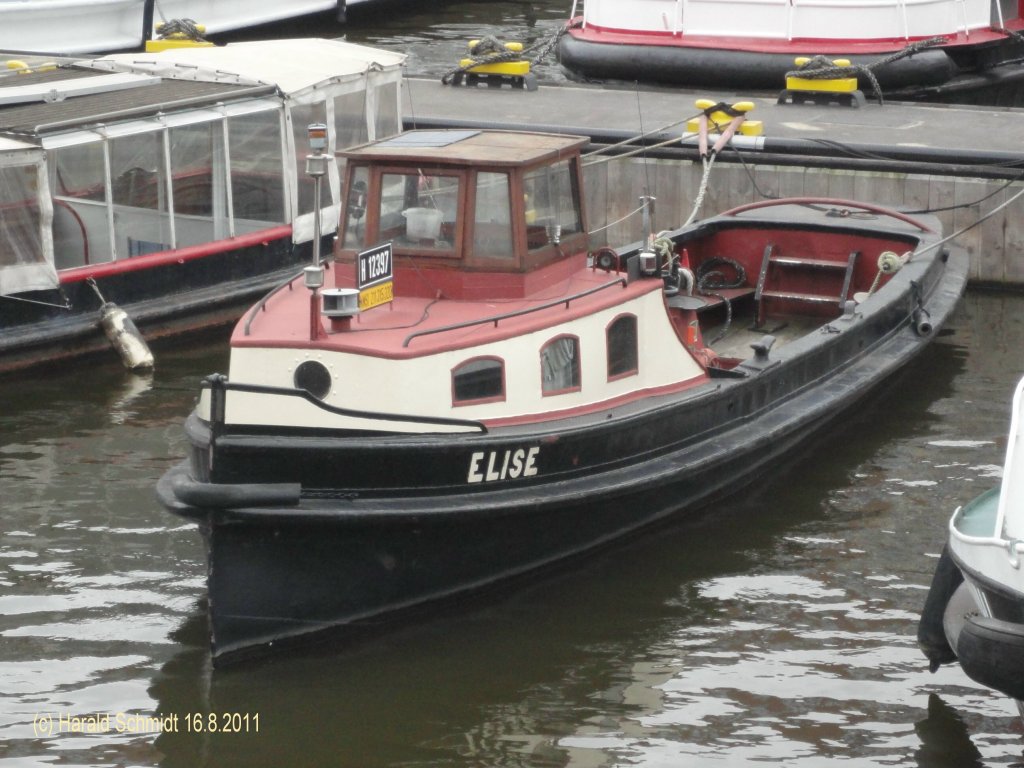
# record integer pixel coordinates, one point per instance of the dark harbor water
(776, 629)
(779, 628)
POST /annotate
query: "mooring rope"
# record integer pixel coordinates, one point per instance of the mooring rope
(823, 68)
(490, 50)
(181, 28)
(701, 190)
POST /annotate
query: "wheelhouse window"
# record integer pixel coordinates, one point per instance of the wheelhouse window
(621, 339)
(560, 365)
(353, 217)
(257, 170)
(138, 182)
(552, 204)
(386, 120)
(199, 182)
(23, 262)
(478, 380)
(81, 232)
(168, 187)
(492, 227)
(418, 211)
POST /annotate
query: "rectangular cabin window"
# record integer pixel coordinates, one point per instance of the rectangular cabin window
(257, 170)
(138, 191)
(478, 380)
(350, 125)
(199, 183)
(418, 211)
(23, 264)
(81, 231)
(353, 215)
(492, 228)
(386, 122)
(552, 204)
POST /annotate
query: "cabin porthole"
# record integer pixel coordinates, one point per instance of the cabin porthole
(314, 378)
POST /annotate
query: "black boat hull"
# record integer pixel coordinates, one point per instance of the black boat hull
(990, 649)
(171, 297)
(988, 76)
(991, 652)
(376, 530)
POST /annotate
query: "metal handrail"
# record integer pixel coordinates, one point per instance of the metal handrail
(263, 302)
(217, 382)
(498, 318)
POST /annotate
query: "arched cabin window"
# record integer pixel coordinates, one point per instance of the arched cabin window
(479, 380)
(560, 365)
(621, 339)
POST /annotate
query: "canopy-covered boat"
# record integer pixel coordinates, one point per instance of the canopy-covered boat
(170, 185)
(974, 612)
(936, 50)
(93, 26)
(474, 395)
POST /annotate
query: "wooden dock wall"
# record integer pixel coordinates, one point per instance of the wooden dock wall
(996, 246)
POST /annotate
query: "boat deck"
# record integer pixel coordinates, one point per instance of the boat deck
(414, 326)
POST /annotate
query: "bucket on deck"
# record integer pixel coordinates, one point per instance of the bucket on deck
(422, 223)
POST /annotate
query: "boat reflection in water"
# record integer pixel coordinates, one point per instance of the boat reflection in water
(512, 399)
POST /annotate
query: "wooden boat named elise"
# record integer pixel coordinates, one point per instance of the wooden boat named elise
(464, 393)
(974, 612)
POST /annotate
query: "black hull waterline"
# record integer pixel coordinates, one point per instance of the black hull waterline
(167, 300)
(929, 75)
(289, 558)
(990, 649)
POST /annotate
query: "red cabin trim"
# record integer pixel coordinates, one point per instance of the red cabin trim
(176, 256)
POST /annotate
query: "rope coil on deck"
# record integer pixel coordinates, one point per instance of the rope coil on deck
(711, 279)
(181, 29)
(823, 68)
(489, 50)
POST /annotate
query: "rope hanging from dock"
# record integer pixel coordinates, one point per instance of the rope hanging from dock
(823, 68)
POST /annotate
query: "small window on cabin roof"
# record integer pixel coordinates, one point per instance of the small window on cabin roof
(552, 204)
(621, 338)
(560, 365)
(492, 228)
(418, 211)
(478, 380)
(427, 139)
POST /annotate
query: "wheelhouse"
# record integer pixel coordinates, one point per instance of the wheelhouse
(462, 205)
